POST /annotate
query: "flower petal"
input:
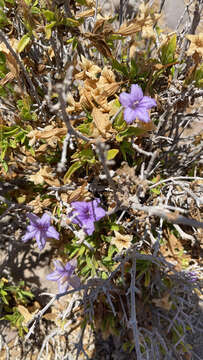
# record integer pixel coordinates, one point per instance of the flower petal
(54, 276)
(72, 262)
(129, 115)
(125, 99)
(41, 240)
(136, 93)
(52, 233)
(69, 268)
(78, 220)
(89, 227)
(59, 266)
(33, 218)
(45, 219)
(29, 235)
(79, 206)
(97, 211)
(63, 286)
(142, 114)
(147, 102)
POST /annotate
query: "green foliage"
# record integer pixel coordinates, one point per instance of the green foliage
(3, 16)
(198, 77)
(168, 51)
(111, 154)
(127, 150)
(130, 132)
(12, 137)
(120, 67)
(25, 107)
(10, 297)
(24, 41)
(85, 157)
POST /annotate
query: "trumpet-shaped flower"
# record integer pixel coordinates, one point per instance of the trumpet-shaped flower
(136, 105)
(40, 229)
(63, 275)
(86, 213)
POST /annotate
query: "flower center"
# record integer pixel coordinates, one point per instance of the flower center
(43, 227)
(87, 213)
(134, 104)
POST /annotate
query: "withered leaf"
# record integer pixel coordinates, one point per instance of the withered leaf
(101, 120)
(121, 241)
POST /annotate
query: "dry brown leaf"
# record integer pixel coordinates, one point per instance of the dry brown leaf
(147, 126)
(49, 133)
(44, 175)
(89, 70)
(86, 13)
(79, 194)
(26, 314)
(163, 303)
(86, 99)
(10, 60)
(144, 21)
(50, 316)
(72, 104)
(196, 44)
(173, 251)
(121, 241)
(107, 76)
(102, 27)
(102, 122)
(128, 29)
(9, 77)
(39, 205)
(42, 148)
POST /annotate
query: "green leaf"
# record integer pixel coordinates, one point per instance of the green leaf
(48, 29)
(72, 22)
(168, 51)
(24, 41)
(74, 167)
(198, 77)
(130, 131)
(27, 293)
(2, 58)
(84, 129)
(87, 155)
(5, 166)
(111, 154)
(122, 68)
(126, 149)
(82, 250)
(49, 15)
(155, 191)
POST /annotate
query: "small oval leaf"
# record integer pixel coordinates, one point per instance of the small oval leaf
(24, 41)
(111, 154)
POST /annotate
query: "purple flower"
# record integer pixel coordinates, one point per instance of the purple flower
(86, 213)
(192, 276)
(40, 229)
(63, 274)
(136, 105)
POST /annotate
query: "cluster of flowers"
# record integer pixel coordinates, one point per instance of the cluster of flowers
(83, 214)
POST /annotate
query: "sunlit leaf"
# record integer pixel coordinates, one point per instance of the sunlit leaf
(74, 167)
(24, 41)
(111, 154)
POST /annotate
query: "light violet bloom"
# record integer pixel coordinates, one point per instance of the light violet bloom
(86, 213)
(40, 229)
(136, 105)
(192, 276)
(63, 274)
